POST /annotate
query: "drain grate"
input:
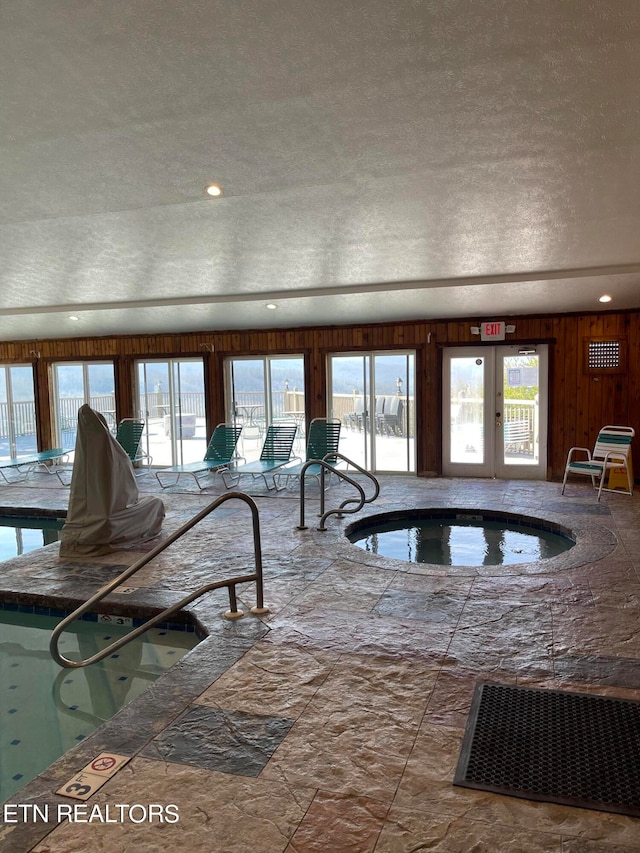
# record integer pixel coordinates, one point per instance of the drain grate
(553, 745)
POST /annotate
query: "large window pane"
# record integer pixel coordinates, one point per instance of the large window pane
(77, 384)
(373, 395)
(521, 391)
(467, 410)
(17, 411)
(171, 402)
(263, 391)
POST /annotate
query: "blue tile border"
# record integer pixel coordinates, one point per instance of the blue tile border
(40, 610)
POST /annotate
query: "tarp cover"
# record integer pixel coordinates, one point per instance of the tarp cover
(105, 511)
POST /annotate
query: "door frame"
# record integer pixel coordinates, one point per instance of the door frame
(493, 464)
(67, 424)
(175, 430)
(27, 426)
(372, 446)
(272, 411)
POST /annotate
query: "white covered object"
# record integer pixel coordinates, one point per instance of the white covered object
(105, 511)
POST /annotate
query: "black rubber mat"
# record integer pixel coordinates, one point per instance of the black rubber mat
(553, 745)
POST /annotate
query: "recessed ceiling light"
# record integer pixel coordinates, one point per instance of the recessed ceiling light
(73, 317)
(213, 190)
(605, 298)
(271, 306)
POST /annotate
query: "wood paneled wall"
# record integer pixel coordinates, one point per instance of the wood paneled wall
(578, 405)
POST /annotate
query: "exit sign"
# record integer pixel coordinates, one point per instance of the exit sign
(492, 331)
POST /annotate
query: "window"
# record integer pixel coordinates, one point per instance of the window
(264, 390)
(171, 402)
(75, 384)
(17, 411)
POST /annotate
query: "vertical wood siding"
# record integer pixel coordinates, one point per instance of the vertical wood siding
(579, 403)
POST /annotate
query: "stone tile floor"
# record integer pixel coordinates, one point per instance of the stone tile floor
(334, 722)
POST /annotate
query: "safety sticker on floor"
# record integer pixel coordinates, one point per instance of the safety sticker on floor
(92, 777)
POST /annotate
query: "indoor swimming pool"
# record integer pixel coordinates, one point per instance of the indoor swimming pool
(45, 709)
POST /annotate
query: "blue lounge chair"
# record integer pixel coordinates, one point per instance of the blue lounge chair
(219, 456)
(276, 452)
(48, 460)
(322, 442)
(129, 436)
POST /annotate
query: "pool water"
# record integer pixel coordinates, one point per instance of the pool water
(20, 535)
(45, 709)
(460, 540)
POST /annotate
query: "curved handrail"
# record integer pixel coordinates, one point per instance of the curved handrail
(325, 466)
(345, 503)
(233, 612)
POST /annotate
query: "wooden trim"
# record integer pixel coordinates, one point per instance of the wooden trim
(579, 402)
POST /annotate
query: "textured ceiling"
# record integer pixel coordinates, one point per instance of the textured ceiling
(380, 159)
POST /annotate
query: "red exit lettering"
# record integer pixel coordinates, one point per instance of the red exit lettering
(493, 330)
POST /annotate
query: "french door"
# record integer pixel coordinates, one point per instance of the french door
(373, 394)
(495, 406)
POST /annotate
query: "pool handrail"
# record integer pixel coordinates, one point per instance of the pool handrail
(232, 613)
(332, 469)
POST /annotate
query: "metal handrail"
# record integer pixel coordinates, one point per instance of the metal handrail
(339, 511)
(232, 613)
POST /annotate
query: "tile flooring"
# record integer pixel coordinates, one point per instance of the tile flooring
(334, 723)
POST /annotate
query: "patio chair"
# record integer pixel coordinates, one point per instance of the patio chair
(518, 437)
(390, 421)
(220, 454)
(612, 450)
(379, 413)
(354, 419)
(276, 452)
(322, 441)
(129, 437)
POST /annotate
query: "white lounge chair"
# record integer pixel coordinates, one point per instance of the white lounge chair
(612, 450)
